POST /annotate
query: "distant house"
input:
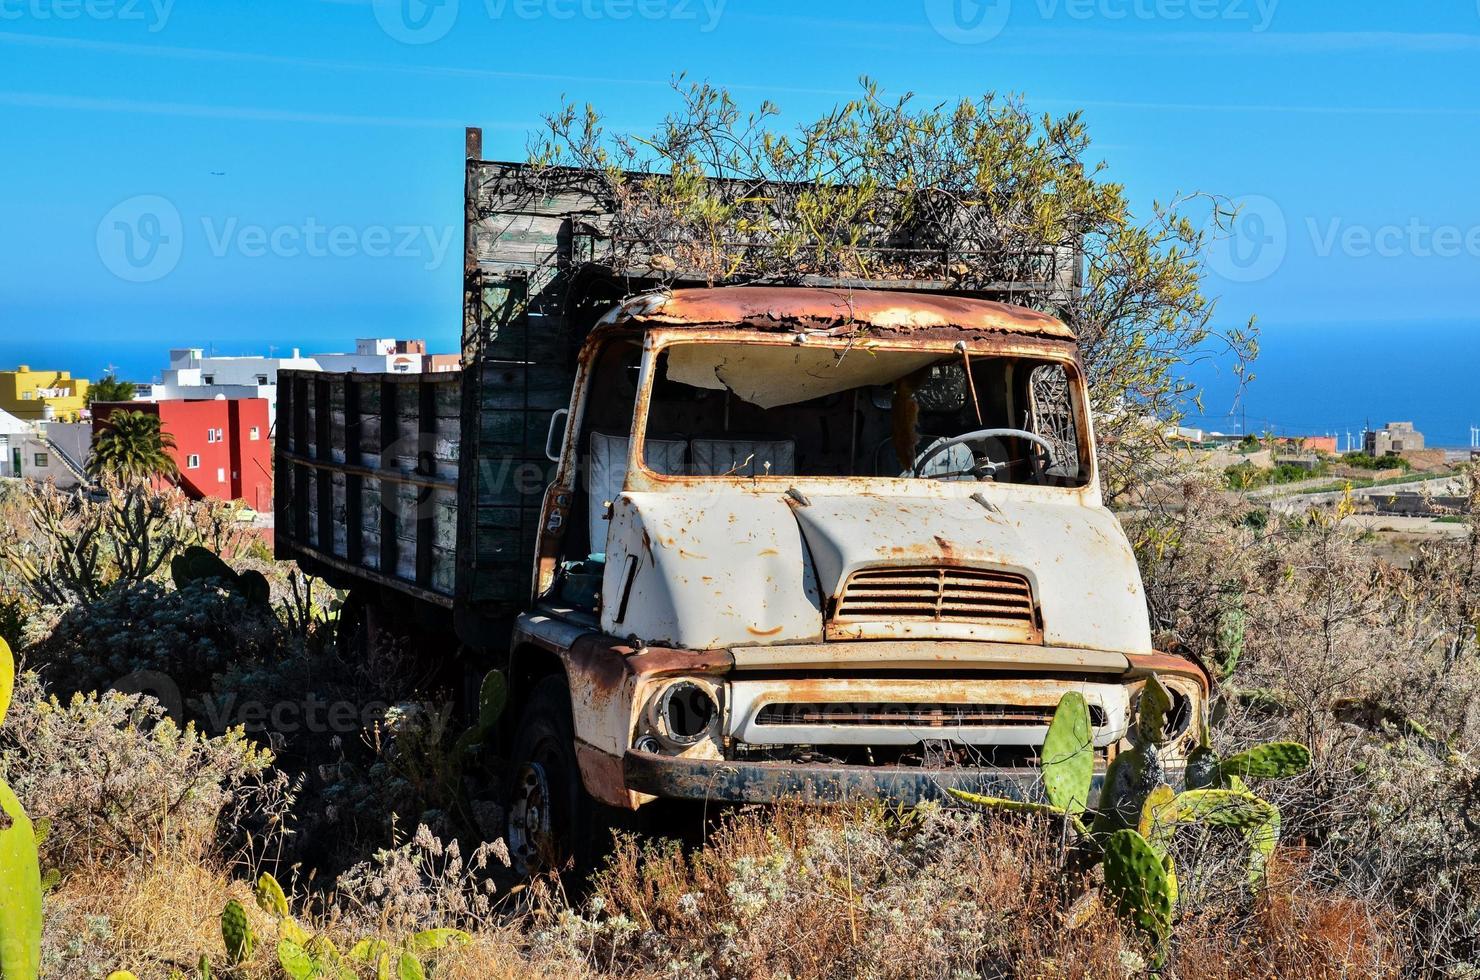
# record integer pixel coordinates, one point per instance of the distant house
(40, 396)
(1309, 444)
(1393, 439)
(221, 445)
(42, 451)
(194, 374)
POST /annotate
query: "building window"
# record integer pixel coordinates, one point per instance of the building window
(220, 475)
(208, 379)
(192, 462)
(213, 435)
(262, 379)
(254, 434)
(27, 396)
(40, 460)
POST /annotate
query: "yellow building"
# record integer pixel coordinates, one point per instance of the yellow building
(42, 395)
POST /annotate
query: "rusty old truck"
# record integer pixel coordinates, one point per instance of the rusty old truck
(736, 544)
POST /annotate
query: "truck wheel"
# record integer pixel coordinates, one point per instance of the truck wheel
(552, 821)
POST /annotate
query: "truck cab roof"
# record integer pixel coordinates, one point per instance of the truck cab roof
(838, 312)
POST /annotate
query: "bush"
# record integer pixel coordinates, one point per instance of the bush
(188, 635)
(1364, 461)
(118, 780)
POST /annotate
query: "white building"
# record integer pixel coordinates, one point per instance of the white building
(56, 451)
(193, 374)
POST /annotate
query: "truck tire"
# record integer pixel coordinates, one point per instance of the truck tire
(553, 824)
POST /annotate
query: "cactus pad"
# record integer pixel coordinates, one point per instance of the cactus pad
(1069, 755)
(1273, 760)
(7, 678)
(493, 697)
(237, 933)
(1139, 885)
(1151, 714)
(270, 897)
(1202, 768)
(1223, 808)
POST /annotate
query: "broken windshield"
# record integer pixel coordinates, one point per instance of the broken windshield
(744, 409)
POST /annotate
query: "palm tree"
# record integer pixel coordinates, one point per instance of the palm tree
(110, 389)
(133, 446)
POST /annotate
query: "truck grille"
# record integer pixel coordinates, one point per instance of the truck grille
(914, 715)
(960, 595)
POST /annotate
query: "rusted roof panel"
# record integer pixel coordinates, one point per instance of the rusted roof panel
(838, 311)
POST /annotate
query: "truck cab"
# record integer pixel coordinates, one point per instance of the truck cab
(819, 544)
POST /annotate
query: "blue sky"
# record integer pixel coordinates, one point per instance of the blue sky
(310, 150)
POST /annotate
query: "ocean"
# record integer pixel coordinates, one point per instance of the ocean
(1329, 378)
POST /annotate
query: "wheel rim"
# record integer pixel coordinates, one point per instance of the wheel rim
(529, 817)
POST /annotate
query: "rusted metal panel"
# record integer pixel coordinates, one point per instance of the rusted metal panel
(927, 655)
(368, 476)
(774, 782)
(840, 312)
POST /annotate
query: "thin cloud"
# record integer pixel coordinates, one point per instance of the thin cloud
(325, 64)
(41, 100)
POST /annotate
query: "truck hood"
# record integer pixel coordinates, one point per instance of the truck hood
(705, 570)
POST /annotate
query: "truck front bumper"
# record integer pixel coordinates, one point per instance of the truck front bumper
(771, 782)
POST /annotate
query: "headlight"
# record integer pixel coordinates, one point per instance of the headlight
(1177, 726)
(681, 715)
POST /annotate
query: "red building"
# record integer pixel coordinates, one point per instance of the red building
(221, 445)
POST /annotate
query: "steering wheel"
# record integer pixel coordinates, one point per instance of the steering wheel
(983, 468)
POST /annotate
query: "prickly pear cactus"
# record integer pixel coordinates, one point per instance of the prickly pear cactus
(1141, 884)
(493, 698)
(271, 899)
(1151, 714)
(236, 933)
(1202, 768)
(20, 870)
(1131, 778)
(1069, 755)
(1229, 636)
(1273, 760)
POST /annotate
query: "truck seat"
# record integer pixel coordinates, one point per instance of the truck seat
(744, 457)
(608, 473)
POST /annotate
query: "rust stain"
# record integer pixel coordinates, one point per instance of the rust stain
(756, 631)
(1167, 663)
(602, 775)
(841, 312)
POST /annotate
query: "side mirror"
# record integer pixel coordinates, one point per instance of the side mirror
(556, 435)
